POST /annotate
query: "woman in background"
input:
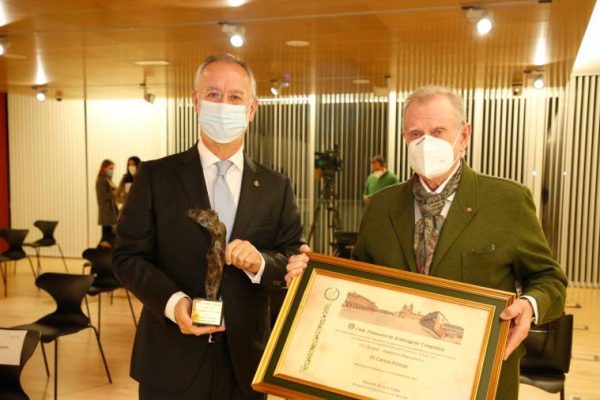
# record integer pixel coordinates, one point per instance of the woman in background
(107, 206)
(125, 184)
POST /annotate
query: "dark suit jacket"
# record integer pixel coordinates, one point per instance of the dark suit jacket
(160, 251)
(491, 237)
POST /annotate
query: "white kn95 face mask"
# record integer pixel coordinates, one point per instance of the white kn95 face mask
(431, 157)
(222, 122)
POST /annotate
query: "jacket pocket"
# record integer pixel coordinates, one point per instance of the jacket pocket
(489, 266)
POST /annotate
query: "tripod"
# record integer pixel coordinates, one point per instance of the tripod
(327, 196)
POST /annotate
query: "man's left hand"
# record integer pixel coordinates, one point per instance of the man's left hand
(243, 255)
(520, 314)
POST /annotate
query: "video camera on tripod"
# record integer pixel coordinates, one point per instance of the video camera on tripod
(328, 162)
(327, 165)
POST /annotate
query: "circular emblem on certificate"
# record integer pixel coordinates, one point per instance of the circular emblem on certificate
(332, 294)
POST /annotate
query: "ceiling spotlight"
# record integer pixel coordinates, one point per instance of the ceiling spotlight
(517, 88)
(481, 19)
(277, 85)
(538, 82)
(40, 93)
(149, 97)
(235, 33)
(484, 26)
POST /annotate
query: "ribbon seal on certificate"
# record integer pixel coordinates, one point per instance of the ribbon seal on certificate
(209, 311)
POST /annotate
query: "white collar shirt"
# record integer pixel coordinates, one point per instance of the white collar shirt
(233, 175)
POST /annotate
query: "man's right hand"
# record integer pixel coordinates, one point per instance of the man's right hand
(183, 310)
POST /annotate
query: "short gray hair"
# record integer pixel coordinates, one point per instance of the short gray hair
(426, 93)
(229, 58)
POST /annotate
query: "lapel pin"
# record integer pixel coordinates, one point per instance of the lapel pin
(256, 183)
(469, 210)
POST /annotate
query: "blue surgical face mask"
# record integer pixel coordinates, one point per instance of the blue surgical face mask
(110, 173)
(222, 122)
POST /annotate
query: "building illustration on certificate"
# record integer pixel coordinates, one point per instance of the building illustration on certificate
(432, 324)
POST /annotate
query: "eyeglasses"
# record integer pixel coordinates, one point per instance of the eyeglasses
(216, 96)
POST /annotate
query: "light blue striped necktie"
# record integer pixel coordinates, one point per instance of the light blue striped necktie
(223, 199)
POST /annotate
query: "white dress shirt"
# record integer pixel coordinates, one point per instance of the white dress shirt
(234, 181)
(444, 213)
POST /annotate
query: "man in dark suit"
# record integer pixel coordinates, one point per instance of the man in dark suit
(160, 253)
(451, 222)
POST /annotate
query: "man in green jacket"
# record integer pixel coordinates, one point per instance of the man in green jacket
(451, 222)
(380, 178)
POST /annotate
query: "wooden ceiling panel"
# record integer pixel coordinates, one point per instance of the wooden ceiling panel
(96, 43)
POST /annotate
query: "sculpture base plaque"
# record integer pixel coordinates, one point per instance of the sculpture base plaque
(207, 312)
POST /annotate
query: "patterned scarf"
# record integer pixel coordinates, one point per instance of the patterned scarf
(427, 229)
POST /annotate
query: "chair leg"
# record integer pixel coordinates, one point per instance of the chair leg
(99, 310)
(31, 266)
(45, 360)
(112, 296)
(131, 308)
(102, 353)
(63, 257)
(562, 393)
(87, 307)
(37, 257)
(56, 369)
(4, 273)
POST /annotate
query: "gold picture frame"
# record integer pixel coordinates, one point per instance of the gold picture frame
(349, 330)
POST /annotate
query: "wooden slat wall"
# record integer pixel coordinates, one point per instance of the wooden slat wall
(574, 152)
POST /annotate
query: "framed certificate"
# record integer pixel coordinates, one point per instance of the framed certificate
(351, 330)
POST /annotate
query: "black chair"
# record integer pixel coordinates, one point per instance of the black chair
(548, 357)
(47, 228)
(100, 264)
(10, 375)
(14, 238)
(68, 292)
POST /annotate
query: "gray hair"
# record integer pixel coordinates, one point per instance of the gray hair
(426, 93)
(225, 57)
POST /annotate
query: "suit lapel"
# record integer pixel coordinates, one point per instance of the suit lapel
(462, 210)
(403, 220)
(191, 178)
(250, 194)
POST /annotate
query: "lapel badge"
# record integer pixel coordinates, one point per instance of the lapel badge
(256, 183)
(469, 210)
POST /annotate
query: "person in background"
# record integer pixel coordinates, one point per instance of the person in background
(127, 180)
(379, 178)
(106, 192)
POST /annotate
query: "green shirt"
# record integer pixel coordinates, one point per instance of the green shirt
(375, 184)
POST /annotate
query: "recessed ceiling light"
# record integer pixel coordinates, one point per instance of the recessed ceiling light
(297, 43)
(361, 81)
(236, 3)
(151, 63)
